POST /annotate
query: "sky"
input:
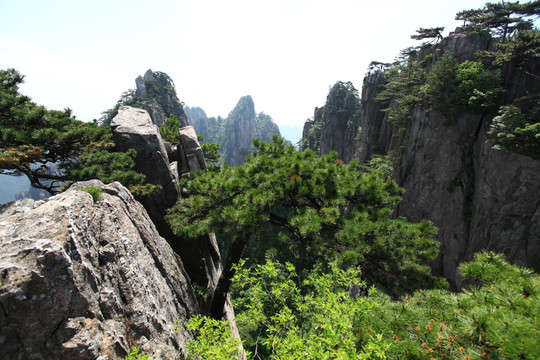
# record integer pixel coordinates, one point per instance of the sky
(286, 54)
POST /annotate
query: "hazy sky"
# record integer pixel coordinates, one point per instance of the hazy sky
(285, 54)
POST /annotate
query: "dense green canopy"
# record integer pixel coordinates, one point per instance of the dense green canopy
(319, 207)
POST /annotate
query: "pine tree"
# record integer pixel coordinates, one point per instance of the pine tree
(319, 206)
(53, 147)
(505, 18)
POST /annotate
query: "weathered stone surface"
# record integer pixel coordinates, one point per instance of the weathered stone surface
(85, 279)
(341, 114)
(463, 45)
(190, 151)
(133, 129)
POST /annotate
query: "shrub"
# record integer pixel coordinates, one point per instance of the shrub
(94, 191)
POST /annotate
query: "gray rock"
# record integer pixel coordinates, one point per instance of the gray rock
(240, 130)
(190, 152)
(85, 279)
(133, 129)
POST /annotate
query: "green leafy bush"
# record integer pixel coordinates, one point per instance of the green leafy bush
(213, 340)
(328, 313)
(453, 88)
(135, 355)
(478, 88)
(170, 131)
(94, 191)
(513, 131)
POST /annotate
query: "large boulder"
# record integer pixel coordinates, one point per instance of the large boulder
(88, 278)
(133, 129)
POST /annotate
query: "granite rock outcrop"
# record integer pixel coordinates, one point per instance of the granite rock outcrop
(86, 277)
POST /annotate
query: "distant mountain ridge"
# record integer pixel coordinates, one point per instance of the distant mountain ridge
(234, 133)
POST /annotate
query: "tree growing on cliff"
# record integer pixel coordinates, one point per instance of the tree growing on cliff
(504, 18)
(319, 206)
(433, 34)
(52, 147)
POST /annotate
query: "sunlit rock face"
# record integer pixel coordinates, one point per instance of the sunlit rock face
(87, 278)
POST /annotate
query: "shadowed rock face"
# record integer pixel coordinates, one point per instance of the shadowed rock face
(86, 279)
(479, 198)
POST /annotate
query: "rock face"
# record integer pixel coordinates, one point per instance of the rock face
(88, 279)
(335, 126)
(478, 197)
(190, 151)
(156, 89)
(240, 130)
(133, 129)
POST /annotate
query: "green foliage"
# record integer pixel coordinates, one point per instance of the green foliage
(211, 154)
(453, 88)
(94, 191)
(434, 34)
(52, 147)
(312, 141)
(496, 320)
(266, 127)
(514, 131)
(401, 92)
(135, 355)
(440, 83)
(477, 87)
(522, 47)
(503, 19)
(381, 163)
(285, 317)
(318, 207)
(327, 313)
(169, 132)
(213, 340)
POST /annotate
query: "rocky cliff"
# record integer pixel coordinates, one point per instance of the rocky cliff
(479, 197)
(86, 277)
(163, 165)
(335, 125)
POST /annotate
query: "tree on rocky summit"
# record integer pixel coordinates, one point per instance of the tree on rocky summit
(319, 207)
(505, 18)
(52, 147)
(434, 34)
